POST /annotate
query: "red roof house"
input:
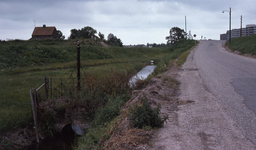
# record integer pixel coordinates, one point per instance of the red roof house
(44, 32)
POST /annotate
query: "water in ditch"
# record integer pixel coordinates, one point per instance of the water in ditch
(55, 143)
(142, 74)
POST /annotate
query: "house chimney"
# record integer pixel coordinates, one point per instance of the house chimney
(44, 25)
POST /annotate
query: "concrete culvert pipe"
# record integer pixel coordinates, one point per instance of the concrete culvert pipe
(70, 132)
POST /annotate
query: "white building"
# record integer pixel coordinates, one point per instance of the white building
(190, 37)
(250, 29)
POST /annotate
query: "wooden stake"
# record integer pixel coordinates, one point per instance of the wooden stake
(34, 110)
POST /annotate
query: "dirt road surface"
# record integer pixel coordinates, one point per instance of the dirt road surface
(219, 117)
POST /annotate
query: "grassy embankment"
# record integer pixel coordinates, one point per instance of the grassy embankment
(245, 45)
(23, 65)
(107, 118)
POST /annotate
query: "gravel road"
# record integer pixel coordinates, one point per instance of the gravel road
(222, 116)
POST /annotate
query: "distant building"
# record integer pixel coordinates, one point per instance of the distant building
(223, 36)
(235, 33)
(140, 45)
(250, 29)
(44, 32)
(190, 37)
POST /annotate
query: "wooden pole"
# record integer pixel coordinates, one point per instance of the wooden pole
(78, 66)
(46, 87)
(73, 86)
(34, 110)
(241, 26)
(230, 25)
(51, 86)
(61, 87)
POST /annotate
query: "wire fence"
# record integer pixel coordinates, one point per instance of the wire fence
(53, 88)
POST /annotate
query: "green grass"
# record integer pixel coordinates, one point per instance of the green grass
(15, 104)
(183, 57)
(245, 45)
(23, 65)
(15, 54)
(180, 50)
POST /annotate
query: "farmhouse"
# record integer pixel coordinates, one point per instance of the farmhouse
(44, 32)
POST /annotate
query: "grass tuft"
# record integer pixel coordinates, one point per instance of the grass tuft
(143, 115)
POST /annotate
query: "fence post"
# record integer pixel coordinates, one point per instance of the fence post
(46, 87)
(34, 110)
(78, 66)
(61, 87)
(73, 85)
(51, 86)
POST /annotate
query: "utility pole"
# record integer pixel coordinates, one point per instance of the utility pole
(241, 26)
(229, 25)
(185, 24)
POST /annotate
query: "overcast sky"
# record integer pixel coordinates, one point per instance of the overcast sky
(133, 21)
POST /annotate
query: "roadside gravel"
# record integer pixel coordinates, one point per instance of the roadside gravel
(202, 124)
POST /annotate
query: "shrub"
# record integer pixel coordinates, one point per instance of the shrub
(143, 115)
(103, 123)
(110, 111)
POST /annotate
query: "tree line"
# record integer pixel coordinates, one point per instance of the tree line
(88, 32)
(175, 34)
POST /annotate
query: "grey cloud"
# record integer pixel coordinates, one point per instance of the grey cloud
(150, 19)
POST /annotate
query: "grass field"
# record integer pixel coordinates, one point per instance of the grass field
(18, 76)
(245, 45)
(24, 64)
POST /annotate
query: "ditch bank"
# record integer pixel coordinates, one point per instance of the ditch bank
(54, 115)
(162, 89)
